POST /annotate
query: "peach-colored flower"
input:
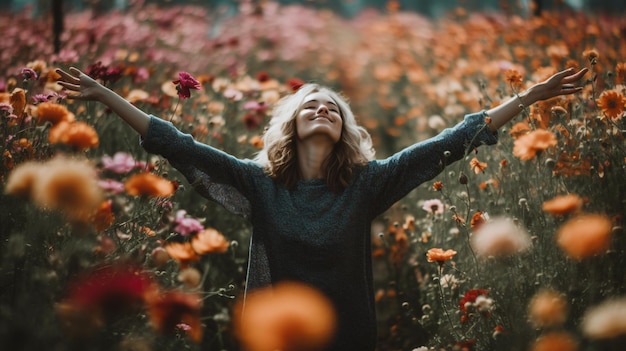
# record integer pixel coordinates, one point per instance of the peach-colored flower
(528, 145)
(22, 178)
(61, 184)
(547, 309)
(555, 341)
(477, 166)
(209, 240)
(439, 256)
(606, 320)
(585, 235)
(287, 316)
(182, 252)
(562, 205)
(149, 184)
(514, 78)
(591, 55)
(499, 237)
(69, 186)
(519, 129)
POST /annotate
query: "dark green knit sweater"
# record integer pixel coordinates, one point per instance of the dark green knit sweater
(310, 233)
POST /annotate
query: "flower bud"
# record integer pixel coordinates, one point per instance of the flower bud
(463, 178)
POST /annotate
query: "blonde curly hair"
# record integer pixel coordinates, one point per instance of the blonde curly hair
(278, 155)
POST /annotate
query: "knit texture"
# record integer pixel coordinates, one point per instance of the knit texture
(310, 233)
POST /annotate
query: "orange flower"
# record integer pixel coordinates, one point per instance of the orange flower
(477, 220)
(104, 217)
(585, 235)
(18, 101)
(171, 309)
(620, 73)
(78, 135)
(547, 309)
(562, 205)
(612, 103)
(257, 142)
(519, 129)
(438, 185)
(209, 240)
(528, 145)
(149, 184)
(514, 78)
(554, 341)
(288, 316)
(69, 186)
(439, 256)
(182, 252)
(61, 184)
(591, 55)
(53, 113)
(477, 166)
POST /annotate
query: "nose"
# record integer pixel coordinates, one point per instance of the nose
(322, 108)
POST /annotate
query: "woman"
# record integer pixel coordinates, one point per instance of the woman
(314, 189)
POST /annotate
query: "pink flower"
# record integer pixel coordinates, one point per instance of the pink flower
(433, 206)
(29, 73)
(185, 82)
(111, 185)
(186, 225)
(120, 163)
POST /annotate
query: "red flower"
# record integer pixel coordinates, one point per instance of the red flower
(185, 82)
(295, 84)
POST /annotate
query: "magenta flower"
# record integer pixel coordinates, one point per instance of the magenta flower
(120, 163)
(29, 73)
(186, 225)
(185, 82)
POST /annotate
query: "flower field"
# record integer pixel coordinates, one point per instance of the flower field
(518, 246)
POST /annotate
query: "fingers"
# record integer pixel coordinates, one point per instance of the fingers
(576, 76)
(66, 77)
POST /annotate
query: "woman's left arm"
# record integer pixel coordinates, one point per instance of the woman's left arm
(561, 83)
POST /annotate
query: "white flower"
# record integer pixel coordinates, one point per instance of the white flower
(484, 303)
(500, 237)
(607, 320)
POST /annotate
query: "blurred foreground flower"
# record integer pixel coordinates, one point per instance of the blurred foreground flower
(78, 135)
(171, 309)
(607, 320)
(555, 341)
(61, 184)
(562, 205)
(53, 113)
(184, 83)
(528, 145)
(585, 235)
(499, 237)
(547, 309)
(288, 316)
(102, 296)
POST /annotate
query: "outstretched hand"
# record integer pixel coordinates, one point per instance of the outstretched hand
(80, 85)
(561, 83)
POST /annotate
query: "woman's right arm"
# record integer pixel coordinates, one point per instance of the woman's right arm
(84, 87)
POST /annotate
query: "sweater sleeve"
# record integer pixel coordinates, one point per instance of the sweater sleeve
(215, 174)
(392, 178)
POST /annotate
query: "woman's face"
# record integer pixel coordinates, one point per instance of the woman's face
(319, 116)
